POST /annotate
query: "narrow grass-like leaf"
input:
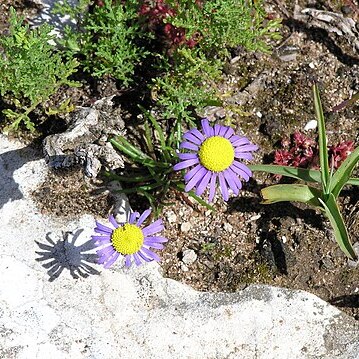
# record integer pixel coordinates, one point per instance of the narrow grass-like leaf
(303, 174)
(291, 193)
(181, 187)
(340, 231)
(342, 176)
(323, 149)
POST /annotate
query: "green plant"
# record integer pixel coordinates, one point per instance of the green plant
(182, 88)
(325, 198)
(219, 25)
(106, 40)
(152, 172)
(30, 70)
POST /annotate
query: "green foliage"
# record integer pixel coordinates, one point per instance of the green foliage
(30, 70)
(215, 26)
(182, 88)
(331, 184)
(222, 24)
(154, 176)
(106, 39)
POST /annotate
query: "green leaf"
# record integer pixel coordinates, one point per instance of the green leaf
(303, 174)
(342, 175)
(323, 149)
(291, 192)
(340, 231)
(181, 187)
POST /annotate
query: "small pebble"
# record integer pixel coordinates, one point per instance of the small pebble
(185, 227)
(284, 239)
(311, 65)
(311, 125)
(227, 227)
(254, 218)
(189, 256)
(171, 217)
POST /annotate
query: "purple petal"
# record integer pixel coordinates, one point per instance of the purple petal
(203, 183)
(133, 217)
(154, 227)
(222, 131)
(150, 254)
(242, 170)
(229, 133)
(105, 251)
(196, 133)
(137, 259)
(223, 186)
(100, 238)
(217, 128)
(192, 172)
(189, 137)
(128, 260)
(243, 155)
(187, 156)
(229, 176)
(144, 257)
(185, 164)
(241, 140)
(189, 146)
(247, 148)
(156, 245)
(212, 187)
(235, 178)
(111, 260)
(100, 228)
(113, 221)
(99, 244)
(207, 129)
(197, 177)
(143, 216)
(155, 239)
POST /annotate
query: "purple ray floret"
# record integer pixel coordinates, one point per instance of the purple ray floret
(108, 254)
(201, 176)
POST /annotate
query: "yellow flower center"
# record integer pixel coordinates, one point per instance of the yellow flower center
(127, 239)
(216, 153)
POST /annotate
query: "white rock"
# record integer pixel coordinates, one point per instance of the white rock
(186, 226)
(311, 125)
(171, 216)
(189, 256)
(125, 313)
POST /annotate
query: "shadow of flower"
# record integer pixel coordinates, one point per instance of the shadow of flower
(64, 254)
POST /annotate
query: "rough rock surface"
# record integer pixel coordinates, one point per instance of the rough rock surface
(85, 141)
(55, 302)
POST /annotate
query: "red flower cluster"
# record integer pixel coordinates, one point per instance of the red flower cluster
(298, 151)
(338, 153)
(301, 151)
(155, 12)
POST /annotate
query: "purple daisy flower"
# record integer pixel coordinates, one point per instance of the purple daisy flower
(214, 154)
(128, 240)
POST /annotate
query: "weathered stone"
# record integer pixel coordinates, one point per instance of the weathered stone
(55, 302)
(85, 141)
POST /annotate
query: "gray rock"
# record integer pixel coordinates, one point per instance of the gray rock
(85, 141)
(189, 256)
(55, 302)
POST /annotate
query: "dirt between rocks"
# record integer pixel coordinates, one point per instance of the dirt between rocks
(244, 242)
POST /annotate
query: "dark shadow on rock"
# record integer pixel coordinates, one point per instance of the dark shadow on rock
(9, 162)
(64, 254)
(349, 301)
(321, 36)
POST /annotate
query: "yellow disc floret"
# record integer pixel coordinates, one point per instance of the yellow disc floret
(127, 239)
(216, 153)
